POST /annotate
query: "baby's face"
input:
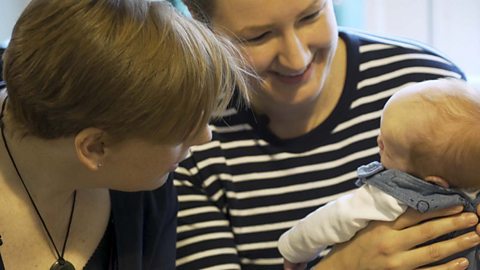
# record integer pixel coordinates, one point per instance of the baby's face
(388, 156)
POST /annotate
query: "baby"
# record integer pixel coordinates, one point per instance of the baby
(429, 147)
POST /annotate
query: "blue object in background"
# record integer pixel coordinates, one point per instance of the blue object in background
(349, 13)
(180, 6)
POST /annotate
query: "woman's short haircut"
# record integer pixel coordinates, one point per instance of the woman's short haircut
(133, 68)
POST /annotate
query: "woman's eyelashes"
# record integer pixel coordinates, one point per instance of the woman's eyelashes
(314, 15)
(256, 39)
(311, 17)
(262, 37)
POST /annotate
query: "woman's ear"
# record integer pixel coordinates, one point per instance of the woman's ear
(437, 180)
(90, 147)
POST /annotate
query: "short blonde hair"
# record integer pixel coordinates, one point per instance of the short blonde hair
(447, 143)
(133, 68)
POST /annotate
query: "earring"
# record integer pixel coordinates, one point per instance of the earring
(99, 165)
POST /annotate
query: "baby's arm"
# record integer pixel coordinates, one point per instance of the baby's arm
(337, 222)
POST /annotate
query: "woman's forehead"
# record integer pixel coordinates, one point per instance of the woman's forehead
(240, 14)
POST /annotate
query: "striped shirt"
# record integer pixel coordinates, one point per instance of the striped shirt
(241, 191)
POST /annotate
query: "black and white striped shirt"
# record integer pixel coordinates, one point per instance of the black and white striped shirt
(241, 191)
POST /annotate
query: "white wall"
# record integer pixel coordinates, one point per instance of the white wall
(452, 27)
(406, 18)
(9, 12)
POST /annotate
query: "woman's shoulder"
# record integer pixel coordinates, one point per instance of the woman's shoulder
(367, 41)
(377, 54)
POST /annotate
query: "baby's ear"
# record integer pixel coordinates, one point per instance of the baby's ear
(437, 180)
(380, 142)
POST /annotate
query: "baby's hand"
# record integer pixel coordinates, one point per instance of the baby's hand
(293, 266)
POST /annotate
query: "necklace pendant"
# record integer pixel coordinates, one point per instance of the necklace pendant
(62, 264)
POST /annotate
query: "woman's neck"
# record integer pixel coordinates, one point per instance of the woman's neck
(46, 168)
(296, 120)
(36, 172)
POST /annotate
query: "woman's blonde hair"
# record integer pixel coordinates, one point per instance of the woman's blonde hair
(133, 68)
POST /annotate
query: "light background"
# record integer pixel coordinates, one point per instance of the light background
(451, 27)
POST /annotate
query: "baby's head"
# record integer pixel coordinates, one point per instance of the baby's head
(432, 130)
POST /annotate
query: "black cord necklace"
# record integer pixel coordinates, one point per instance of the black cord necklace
(60, 263)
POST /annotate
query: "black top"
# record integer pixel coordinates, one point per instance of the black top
(105, 254)
(145, 228)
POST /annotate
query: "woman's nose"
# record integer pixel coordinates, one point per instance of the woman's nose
(294, 55)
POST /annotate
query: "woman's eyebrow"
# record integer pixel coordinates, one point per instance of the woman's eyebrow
(315, 4)
(262, 28)
(255, 29)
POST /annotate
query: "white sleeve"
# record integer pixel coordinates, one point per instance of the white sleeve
(337, 222)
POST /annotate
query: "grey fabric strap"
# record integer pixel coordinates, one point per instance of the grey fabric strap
(423, 196)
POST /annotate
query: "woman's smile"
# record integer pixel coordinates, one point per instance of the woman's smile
(295, 78)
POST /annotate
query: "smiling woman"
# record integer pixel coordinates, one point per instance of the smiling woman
(293, 59)
(313, 119)
(103, 98)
